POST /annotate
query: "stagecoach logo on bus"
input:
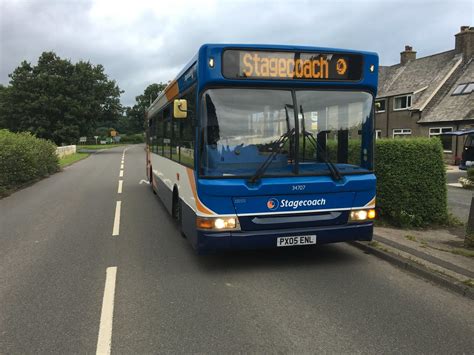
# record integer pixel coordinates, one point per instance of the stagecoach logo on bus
(274, 204)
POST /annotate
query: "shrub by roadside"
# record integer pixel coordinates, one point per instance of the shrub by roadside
(23, 159)
(470, 174)
(132, 138)
(411, 182)
(468, 182)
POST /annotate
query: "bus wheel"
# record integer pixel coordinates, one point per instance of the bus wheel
(151, 181)
(177, 211)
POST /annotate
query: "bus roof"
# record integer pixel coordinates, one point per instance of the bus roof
(196, 67)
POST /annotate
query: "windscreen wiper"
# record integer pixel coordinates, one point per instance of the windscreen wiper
(278, 146)
(335, 174)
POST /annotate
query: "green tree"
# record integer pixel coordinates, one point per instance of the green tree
(3, 92)
(58, 100)
(136, 114)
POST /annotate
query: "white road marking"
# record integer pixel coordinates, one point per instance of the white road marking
(142, 181)
(455, 184)
(104, 341)
(121, 166)
(119, 191)
(121, 173)
(116, 228)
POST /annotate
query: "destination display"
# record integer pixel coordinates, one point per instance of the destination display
(243, 64)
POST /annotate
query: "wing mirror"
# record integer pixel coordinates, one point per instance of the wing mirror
(180, 108)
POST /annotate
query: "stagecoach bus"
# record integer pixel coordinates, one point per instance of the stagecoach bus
(256, 146)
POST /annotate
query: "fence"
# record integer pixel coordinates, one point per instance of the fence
(66, 150)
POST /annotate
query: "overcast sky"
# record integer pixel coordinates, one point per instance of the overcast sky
(142, 42)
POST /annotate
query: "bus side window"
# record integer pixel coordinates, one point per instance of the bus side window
(153, 134)
(187, 131)
(159, 133)
(175, 140)
(167, 133)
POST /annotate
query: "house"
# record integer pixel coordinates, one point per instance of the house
(424, 97)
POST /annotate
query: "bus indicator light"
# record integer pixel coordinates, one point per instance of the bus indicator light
(371, 214)
(220, 223)
(203, 223)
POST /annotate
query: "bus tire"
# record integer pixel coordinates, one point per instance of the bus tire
(151, 181)
(177, 211)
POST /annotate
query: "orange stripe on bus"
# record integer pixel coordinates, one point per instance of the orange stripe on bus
(371, 203)
(201, 208)
(172, 91)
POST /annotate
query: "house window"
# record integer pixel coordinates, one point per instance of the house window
(401, 133)
(378, 134)
(402, 102)
(380, 105)
(463, 89)
(447, 141)
(469, 88)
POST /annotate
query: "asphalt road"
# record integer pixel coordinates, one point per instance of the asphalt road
(459, 199)
(56, 244)
(459, 202)
(453, 176)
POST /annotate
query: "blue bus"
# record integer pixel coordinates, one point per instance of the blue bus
(261, 146)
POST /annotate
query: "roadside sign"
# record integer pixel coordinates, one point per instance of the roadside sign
(82, 139)
(96, 139)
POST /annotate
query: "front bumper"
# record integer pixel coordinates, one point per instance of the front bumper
(212, 241)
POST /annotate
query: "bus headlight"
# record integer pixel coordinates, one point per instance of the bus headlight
(219, 223)
(362, 215)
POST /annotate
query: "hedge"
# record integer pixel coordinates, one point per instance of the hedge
(411, 181)
(470, 174)
(132, 138)
(24, 158)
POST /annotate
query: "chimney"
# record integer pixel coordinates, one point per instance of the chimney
(407, 55)
(465, 42)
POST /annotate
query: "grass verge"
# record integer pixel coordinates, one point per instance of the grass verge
(72, 158)
(457, 251)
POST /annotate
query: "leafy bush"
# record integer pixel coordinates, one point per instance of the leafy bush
(24, 158)
(411, 181)
(132, 138)
(470, 174)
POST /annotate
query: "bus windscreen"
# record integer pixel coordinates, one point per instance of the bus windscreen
(244, 64)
